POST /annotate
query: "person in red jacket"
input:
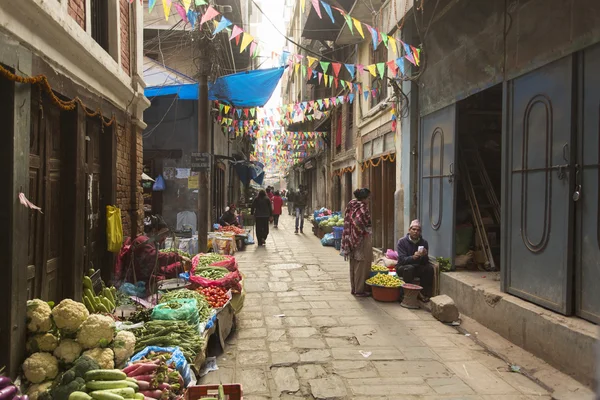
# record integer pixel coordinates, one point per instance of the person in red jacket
(277, 205)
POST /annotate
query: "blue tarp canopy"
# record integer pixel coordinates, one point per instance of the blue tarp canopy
(244, 89)
(250, 170)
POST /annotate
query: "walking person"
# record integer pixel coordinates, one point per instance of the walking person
(290, 201)
(277, 202)
(300, 200)
(356, 241)
(263, 214)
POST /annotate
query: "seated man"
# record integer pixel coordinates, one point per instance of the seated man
(413, 260)
(229, 218)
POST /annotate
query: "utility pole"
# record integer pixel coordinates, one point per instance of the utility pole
(203, 142)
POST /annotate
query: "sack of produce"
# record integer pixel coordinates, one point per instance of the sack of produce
(328, 240)
(177, 310)
(216, 260)
(216, 276)
(175, 357)
(391, 254)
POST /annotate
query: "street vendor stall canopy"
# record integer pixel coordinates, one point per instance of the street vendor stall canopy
(244, 89)
(249, 171)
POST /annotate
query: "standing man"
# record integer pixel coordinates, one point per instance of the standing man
(413, 260)
(290, 200)
(263, 214)
(300, 200)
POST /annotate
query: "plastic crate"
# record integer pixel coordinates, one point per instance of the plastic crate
(232, 392)
(337, 232)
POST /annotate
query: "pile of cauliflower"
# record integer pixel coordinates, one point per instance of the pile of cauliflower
(59, 336)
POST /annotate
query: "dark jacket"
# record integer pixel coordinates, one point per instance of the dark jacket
(228, 218)
(261, 207)
(406, 249)
(300, 199)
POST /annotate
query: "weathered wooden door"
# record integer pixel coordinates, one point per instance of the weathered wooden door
(538, 210)
(587, 174)
(46, 230)
(95, 231)
(437, 184)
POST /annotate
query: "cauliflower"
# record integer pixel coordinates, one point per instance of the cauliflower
(123, 346)
(37, 389)
(42, 342)
(38, 316)
(104, 357)
(67, 351)
(97, 331)
(40, 367)
(69, 315)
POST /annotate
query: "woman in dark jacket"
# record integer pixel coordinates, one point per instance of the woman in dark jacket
(263, 213)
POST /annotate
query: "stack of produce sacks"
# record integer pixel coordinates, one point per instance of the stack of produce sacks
(210, 270)
(67, 338)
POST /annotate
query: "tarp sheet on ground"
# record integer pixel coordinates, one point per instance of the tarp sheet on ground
(244, 89)
(249, 170)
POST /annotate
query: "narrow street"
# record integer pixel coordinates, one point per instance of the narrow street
(301, 335)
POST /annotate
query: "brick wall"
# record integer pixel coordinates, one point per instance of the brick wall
(124, 176)
(139, 165)
(77, 11)
(125, 51)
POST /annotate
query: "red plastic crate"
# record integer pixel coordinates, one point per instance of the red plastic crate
(232, 392)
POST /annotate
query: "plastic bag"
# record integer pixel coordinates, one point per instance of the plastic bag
(229, 262)
(114, 229)
(159, 185)
(138, 290)
(391, 254)
(187, 311)
(177, 359)
(229, 281)
(328, 240)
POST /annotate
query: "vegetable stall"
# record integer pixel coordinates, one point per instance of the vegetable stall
(114, 346)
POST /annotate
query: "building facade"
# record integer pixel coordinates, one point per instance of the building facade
(74, 146)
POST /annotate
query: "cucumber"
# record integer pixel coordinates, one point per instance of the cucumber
(102, 308)
(132, 380)
(109, 295)
(97, 301)
(79, 396)
(124, 392)
(105, 375)
(139, 396)
(106, 396)
(89, 304)
(87, 283)
(107, 304)
(105, 385)
(132, 385)
(88, 293)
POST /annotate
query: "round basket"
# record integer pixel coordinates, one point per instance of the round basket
(386, 294)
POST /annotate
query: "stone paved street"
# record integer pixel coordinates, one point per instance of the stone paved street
(301, 335)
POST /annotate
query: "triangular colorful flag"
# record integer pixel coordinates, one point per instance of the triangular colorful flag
(393, 44)
(151, 4)
(324, 66)
(167, 8)
(381, 69)
(416, 54)
(351, 69)
(410, 58)
(374, 36)
(351, 97)
(327, 8)
(253, 47)
(227, 108)
(236, 32)
(315, 4)
(208, 15)
(372, 69)
(201, 2)
(186, 5)
(358, 26)
(392, 66)
(326, 79)
(303, 5)
(181, 11)
(311, 60)
(224, 23)
(366, 94)
(336, 68)
(384, 39)
(349, 23)
(360, 68)
(296, 68)
(192, 17)
(400, 64)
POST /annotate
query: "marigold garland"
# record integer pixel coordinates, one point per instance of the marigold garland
(43, 84)
(342, 171)
(374, 162)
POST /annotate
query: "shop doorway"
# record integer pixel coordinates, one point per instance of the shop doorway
(478, 184)
(347, 189)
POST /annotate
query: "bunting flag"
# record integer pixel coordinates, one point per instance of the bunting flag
(167, 8)
(253, 48)
(336, 68)
(303, 5)
(186, 5)
(351, 69)
(349, 23)
(181, 11)
(192, 17)
(393, 67)
(324, 66)
(374, 36)
(224, 23)
(151, 4)
(358, 26)
(235, 32)
(311, 60)
(384, 39)
(393, 45)
(208, 15)
(372, 69)
(416, 54)
(381, 69)
(327, 8)
(201, 2)
(315, 4)
(400, 64)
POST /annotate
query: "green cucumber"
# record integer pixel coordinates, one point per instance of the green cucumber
(79, 396)
(102, 308)
(107, 303)
(105, 385)
(105, 375)
(106, 396)
(88, 293)
(139, 396)
(87, 283)
(125, 392)
(132, 385)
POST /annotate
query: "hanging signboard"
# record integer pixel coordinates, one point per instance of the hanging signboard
(200, 162)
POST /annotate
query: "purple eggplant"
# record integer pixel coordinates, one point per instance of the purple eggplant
(4, 382)
(8, 392)
(24, 397)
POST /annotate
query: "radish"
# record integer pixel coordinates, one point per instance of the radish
(153, 394)
(143, 369)
(143, 385)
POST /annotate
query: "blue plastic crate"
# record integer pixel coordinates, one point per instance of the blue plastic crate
(337, 232)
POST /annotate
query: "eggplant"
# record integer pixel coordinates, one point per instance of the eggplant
(8, 392)
(4, 382)
(24, 397)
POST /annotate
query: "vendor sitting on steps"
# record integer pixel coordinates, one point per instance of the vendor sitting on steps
(229, 218)
(413, 262)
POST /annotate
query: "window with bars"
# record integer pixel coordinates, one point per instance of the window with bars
(99, 22)
(379, 55)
